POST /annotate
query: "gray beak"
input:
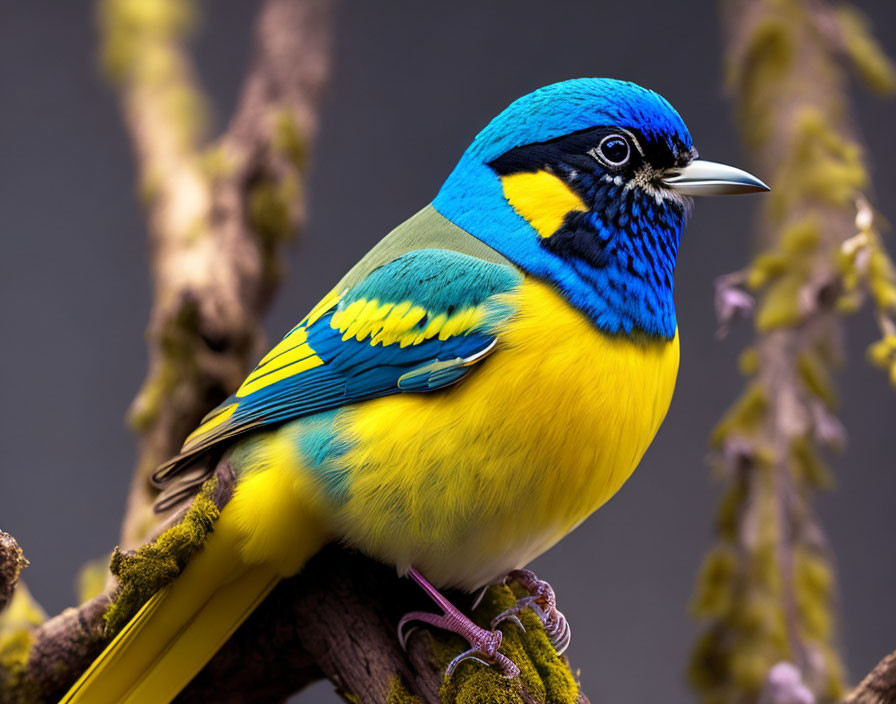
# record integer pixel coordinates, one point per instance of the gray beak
(707, 178)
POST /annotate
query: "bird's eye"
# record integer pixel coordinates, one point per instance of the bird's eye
(614, 150)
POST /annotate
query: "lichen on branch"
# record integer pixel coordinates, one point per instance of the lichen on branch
(766, 591)
(219, 211)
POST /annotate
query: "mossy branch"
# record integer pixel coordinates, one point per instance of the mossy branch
(12, 562)
(337, 619)
(879, 686)
(766, 592)
(218, 211)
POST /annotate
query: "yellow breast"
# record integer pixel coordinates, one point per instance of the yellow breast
(472, 481)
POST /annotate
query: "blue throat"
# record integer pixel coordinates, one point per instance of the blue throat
(614, 262)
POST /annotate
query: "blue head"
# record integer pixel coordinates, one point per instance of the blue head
(584, 183)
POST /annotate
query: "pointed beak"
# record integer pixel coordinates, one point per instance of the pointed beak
(707, 178)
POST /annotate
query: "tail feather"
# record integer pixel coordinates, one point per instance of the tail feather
(180, 628)
(199, 640)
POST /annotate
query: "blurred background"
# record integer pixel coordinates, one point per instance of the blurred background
(411, 85)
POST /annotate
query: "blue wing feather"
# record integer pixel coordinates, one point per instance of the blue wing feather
(416, 324)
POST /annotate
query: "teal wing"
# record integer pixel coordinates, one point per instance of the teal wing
(415, 324)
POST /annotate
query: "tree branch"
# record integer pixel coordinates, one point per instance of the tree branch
(337, 619)
(768, 589)
(217, 214)
(879, 687)
(12, 562)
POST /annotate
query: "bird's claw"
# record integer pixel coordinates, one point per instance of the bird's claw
(484, 643)
(507, 667)
(510, 615)
(543, 602)
(403, 635)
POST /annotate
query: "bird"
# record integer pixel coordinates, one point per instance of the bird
(476, 386)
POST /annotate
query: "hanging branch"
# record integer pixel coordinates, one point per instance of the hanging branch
(766, 592)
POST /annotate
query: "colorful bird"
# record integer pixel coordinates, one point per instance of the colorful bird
(476, 386)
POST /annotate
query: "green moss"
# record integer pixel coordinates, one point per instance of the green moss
(782, 272)
(398, 693)
(545, 675)
(129, 25)
(765, 60)
(708, 665)
(142, 47)
(216, 163)
(148, 189)
(801, 238)
(748, 361)
(833, 687)
(188, 111)
(715, 584)
(882, 279)
(813, 581)
(816, 377)
(730, 509)
(765, 267)
(808, 467)
(289, 142)
(883, 352)
(272, 212)
(866, 54)
(17, 620)
(780, 307)
(157, 564)
(176, 365)
(269, 212)
(823, 165)
(744, 584)
(744, 418)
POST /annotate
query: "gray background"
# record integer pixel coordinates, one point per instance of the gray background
(411, 86)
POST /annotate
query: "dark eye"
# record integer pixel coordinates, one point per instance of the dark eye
(614, 150)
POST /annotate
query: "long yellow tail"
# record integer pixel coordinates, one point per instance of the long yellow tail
(178, 631)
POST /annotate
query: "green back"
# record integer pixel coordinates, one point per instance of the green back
(428, 229)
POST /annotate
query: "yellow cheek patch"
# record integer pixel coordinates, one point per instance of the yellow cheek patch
(542, 199)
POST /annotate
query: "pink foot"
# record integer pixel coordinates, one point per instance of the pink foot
(484, 644)
(543, 602)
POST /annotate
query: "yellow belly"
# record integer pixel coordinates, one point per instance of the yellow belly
(470, 482)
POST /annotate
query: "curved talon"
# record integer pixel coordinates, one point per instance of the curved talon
(402, 634)
(562, 642)
(543, 602)
(484, 644)
(508, 615)
(506, 665)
